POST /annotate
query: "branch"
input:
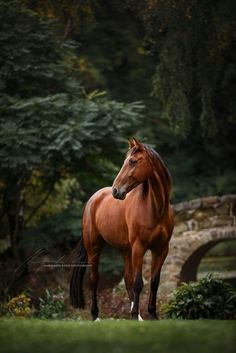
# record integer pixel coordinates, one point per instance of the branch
(40, 204)
(68, 28)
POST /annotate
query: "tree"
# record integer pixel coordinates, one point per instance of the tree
(48, 126)
(194, 43)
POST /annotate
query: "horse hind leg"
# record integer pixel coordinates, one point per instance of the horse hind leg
(94, 252)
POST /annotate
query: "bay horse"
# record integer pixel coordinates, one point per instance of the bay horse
(133, 215)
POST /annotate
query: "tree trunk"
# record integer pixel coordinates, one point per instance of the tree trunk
(13, 201)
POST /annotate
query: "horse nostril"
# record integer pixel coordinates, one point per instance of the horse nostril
(114, 191)
(118, 194)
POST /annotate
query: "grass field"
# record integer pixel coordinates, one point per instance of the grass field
(166, 336)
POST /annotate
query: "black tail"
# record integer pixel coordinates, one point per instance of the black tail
(76, 281)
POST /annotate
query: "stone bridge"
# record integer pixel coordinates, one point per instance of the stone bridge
(199, 225)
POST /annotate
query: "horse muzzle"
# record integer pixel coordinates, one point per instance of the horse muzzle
(118, 194)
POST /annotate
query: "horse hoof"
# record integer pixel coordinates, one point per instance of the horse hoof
(134, 317)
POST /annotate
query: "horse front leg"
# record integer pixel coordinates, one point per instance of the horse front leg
(157, 262)
(137, 262)
(128, 274)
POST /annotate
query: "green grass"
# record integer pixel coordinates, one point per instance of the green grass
(166, 336)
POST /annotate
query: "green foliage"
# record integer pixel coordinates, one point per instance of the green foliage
(30, 60)
(223, 249)
(111, 53)
(42, 132)
(61, 198)
(52, 306)
(111, 261)
(43, 121)
(209, 298)
(199, 166)
(52, 231)
(193, 42)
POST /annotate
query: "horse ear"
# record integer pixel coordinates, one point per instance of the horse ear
(136, 143)
(131, 143)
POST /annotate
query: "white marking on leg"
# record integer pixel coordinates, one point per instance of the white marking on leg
(97, 319)
(140, 317)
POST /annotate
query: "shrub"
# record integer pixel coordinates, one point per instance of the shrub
(209, 298)
(52, 306)
(19, 306)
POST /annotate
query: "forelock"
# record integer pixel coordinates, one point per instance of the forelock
(135, 150)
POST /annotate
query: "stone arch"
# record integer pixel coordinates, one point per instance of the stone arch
(199, 225)
(189, 269)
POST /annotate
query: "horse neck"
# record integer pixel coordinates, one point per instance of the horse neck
(158, 192)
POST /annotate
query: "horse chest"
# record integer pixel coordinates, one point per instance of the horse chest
(147, 228)
(143, 218)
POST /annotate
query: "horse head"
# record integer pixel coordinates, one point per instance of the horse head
(136, 168)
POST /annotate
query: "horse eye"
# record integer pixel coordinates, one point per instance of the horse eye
(132, 162)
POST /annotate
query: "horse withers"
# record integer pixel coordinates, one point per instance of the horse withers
(133, 215)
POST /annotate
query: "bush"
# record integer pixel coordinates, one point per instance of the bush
(209, 298)
(52, 306)
(19, 306)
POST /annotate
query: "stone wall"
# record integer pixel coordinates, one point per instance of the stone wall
(199, 225)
